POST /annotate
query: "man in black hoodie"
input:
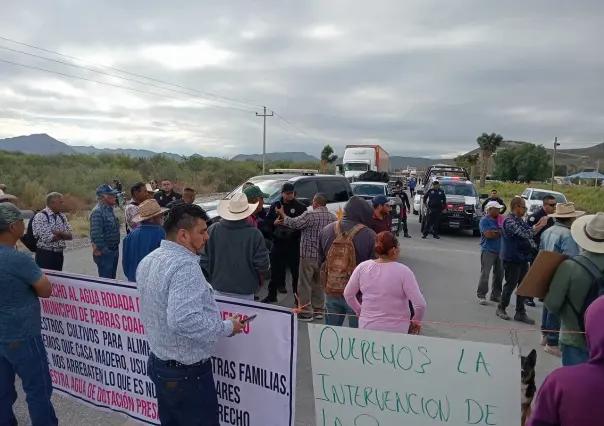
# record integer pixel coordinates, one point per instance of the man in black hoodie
(495, 197)
(356, 211)
(286, 249)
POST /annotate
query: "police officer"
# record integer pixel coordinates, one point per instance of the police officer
(398, 191)
(436, 201)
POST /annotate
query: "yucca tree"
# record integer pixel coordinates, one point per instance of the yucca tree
(327, 156)
(488, 144)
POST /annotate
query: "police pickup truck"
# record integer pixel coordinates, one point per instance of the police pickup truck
(306, 182)
(463, 209)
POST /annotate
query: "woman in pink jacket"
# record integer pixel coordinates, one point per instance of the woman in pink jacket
(387, 287)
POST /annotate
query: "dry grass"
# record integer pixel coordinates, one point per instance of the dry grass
(587, 198)
(80, 222)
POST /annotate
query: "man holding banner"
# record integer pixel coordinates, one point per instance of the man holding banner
(22, 351)
(182, 321)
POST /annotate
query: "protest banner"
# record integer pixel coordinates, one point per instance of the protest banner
(372, 378)
(98, 353)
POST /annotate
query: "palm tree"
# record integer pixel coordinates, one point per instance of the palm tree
(327, 156)
(472, 160)
(488, 145)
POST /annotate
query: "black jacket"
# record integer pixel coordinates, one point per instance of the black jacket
(282, 233)
(436, 199)
(499, 200)
(535, 218)
(404, 198)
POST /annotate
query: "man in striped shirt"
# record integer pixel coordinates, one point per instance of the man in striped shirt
(311, 222)
(51, 229)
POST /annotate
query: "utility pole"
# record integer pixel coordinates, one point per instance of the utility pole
(597, 172)
(264, 138)
(556, 145)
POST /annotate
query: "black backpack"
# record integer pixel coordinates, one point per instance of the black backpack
(596, 290)
(29, 240)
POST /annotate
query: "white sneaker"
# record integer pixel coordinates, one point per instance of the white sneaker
(483, 301)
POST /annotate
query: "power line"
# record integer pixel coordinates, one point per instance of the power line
(122, 87)
(127, 72)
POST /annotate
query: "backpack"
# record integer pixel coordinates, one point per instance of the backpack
(596, 290)
(29, 240)
(341, 261)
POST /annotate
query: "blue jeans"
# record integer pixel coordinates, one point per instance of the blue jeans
(27, 360)
(186, 396)
(571, 355)
(106, 264)
(337, 306)
(550, 321)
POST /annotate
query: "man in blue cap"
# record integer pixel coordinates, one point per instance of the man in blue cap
(105, 232)
(382, 221)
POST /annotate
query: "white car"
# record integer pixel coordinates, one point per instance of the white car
(534, 198)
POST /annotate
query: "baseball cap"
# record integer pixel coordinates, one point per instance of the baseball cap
(436, 182)
(288, 187)
(9, 213)
(105, 189)
(380, 200)
(254, 191)
(493, 205)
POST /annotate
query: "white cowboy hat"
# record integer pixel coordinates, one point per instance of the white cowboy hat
(493, 205)
(6, 197)
(147, 210)
(236, 208)
(566, 210)
(588, 232)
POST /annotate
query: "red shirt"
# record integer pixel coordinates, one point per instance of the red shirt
(381, 225)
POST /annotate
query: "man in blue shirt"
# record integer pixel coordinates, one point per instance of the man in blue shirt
(105, 233)
(182, 321)
(490, 246)
(22, 351)
(145, 238)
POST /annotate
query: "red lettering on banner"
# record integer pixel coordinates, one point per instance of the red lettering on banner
(78, 385)
(246, 329)
(147, 409)
(106, 319)
(89, 296)
(59, 309)
(72, 295)
(117, 301)
(59, 379)
(115, 399)
(59, 291)
(132, 325)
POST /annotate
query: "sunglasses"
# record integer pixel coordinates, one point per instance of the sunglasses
(551, 204)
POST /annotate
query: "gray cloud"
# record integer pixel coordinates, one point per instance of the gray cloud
(420, 78)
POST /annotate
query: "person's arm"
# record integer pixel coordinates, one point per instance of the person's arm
(500, 201)
(271, 217)
(369, 249)
(426, 197)
(484, 203)
(30, 273)
(298, 222)
(96, 231)
(320, 252)
(545, 412)
(41, 229)
(488, 231)
(192, 310)
(66, 235)
(414, 294)
(512, 227)
(261, 260)
(559, 287)
(444, 200)
(406, 201)
(129, 215)
(352, 288)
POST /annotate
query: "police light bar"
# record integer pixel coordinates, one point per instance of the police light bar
(301, 171)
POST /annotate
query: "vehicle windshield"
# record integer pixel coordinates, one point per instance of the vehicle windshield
(367, 189)
(461, 189)
(538, 195)
(269, 186)
(356, 167)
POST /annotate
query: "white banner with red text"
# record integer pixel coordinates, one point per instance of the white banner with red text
(98, 353)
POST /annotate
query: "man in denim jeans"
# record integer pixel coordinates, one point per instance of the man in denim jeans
(105, 233)
(357, 211)
(22, 351)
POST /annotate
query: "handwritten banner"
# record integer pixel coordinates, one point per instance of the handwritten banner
(98, 353)
(371, 378)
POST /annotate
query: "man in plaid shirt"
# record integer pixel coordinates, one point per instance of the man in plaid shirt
(310, 223)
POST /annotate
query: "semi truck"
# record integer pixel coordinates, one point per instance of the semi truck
(359, 159)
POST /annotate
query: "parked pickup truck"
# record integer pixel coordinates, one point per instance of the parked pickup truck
(368, 190)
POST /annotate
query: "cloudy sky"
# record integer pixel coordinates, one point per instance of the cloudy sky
(420, 78)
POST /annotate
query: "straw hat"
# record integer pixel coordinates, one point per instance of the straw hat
(236, 208)
(5, 197)
(566, 210)
(147, 210)
(588, 232)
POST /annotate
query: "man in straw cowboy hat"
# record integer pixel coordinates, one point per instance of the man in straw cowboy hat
(5, 198)
(145, 238)
(576, 282)
(558, 239)
(236, 254)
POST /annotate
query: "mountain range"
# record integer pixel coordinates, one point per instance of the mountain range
(43, 144)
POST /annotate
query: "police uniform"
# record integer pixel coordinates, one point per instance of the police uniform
(436, 200)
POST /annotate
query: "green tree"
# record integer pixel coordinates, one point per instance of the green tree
(469, 161)
(505, 168)
(488, 144)
(532, 162)
(327, 156)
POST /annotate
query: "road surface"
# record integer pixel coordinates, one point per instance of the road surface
(447, 271)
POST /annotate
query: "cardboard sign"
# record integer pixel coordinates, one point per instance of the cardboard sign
(539, 276)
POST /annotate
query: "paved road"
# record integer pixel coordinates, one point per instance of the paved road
(447, 271)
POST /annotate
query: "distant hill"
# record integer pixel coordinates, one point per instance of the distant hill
(137, 153)
(41, 144)
(297, 157)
